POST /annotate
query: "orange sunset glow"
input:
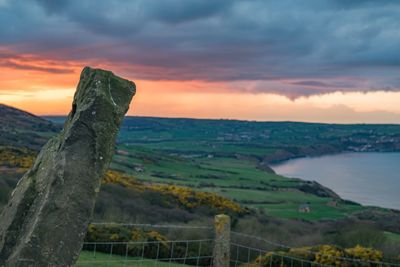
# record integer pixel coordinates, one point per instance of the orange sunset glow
(51, 94)
(210, 72)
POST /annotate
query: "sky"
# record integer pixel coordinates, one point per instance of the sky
(313, 60)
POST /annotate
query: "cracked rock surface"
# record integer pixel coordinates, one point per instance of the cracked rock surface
(46, 219)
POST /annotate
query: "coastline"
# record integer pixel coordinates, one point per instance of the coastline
(338, 184)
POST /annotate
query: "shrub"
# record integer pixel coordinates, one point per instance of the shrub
(21, 158)
(325, 254)
(183, 196)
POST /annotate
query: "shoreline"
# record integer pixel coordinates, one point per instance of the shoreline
(321, 182)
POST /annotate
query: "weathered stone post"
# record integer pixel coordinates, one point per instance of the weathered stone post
(46, 219)
(222, 224)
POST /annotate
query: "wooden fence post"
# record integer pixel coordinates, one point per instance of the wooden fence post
(222, 225)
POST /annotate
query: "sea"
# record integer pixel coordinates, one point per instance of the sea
(371, 179)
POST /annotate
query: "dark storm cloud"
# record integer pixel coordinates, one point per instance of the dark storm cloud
(306, 47)
(313, 83)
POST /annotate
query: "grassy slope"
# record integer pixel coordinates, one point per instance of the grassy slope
(222, 156)
(88, 258)
(392, 236)
(236, 179)
(21, 129)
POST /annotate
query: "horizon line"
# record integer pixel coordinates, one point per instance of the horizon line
(242, 120)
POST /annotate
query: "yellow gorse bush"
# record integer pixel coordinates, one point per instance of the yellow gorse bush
(113, 177)
(158, 237)
(365, 253)
(120, 234)
(21, 158)
(330, 255)
(112, 232)
(192, 199)
(187, 197)
(325, 254)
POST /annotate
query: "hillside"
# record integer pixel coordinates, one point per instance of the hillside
(186, 171)
(22, 129)
(124, 198)
(232, 158)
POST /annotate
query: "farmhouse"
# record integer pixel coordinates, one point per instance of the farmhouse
(304, 208)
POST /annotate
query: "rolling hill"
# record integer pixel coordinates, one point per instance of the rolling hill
(186, 171)
(22, 129)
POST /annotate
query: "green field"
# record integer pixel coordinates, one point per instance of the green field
(236, 179)
(392, 236)
(224, 156)
(99, 259)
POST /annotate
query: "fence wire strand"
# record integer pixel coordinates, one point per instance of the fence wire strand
(145, 225)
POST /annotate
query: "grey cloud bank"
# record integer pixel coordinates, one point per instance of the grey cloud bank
(305, 47)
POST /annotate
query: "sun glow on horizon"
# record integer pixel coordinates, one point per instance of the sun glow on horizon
(45, 93)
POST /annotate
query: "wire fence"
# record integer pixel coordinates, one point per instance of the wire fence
(248, 256)
(151, 253)
(244, 250)
(147, 253)
(295, 261)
